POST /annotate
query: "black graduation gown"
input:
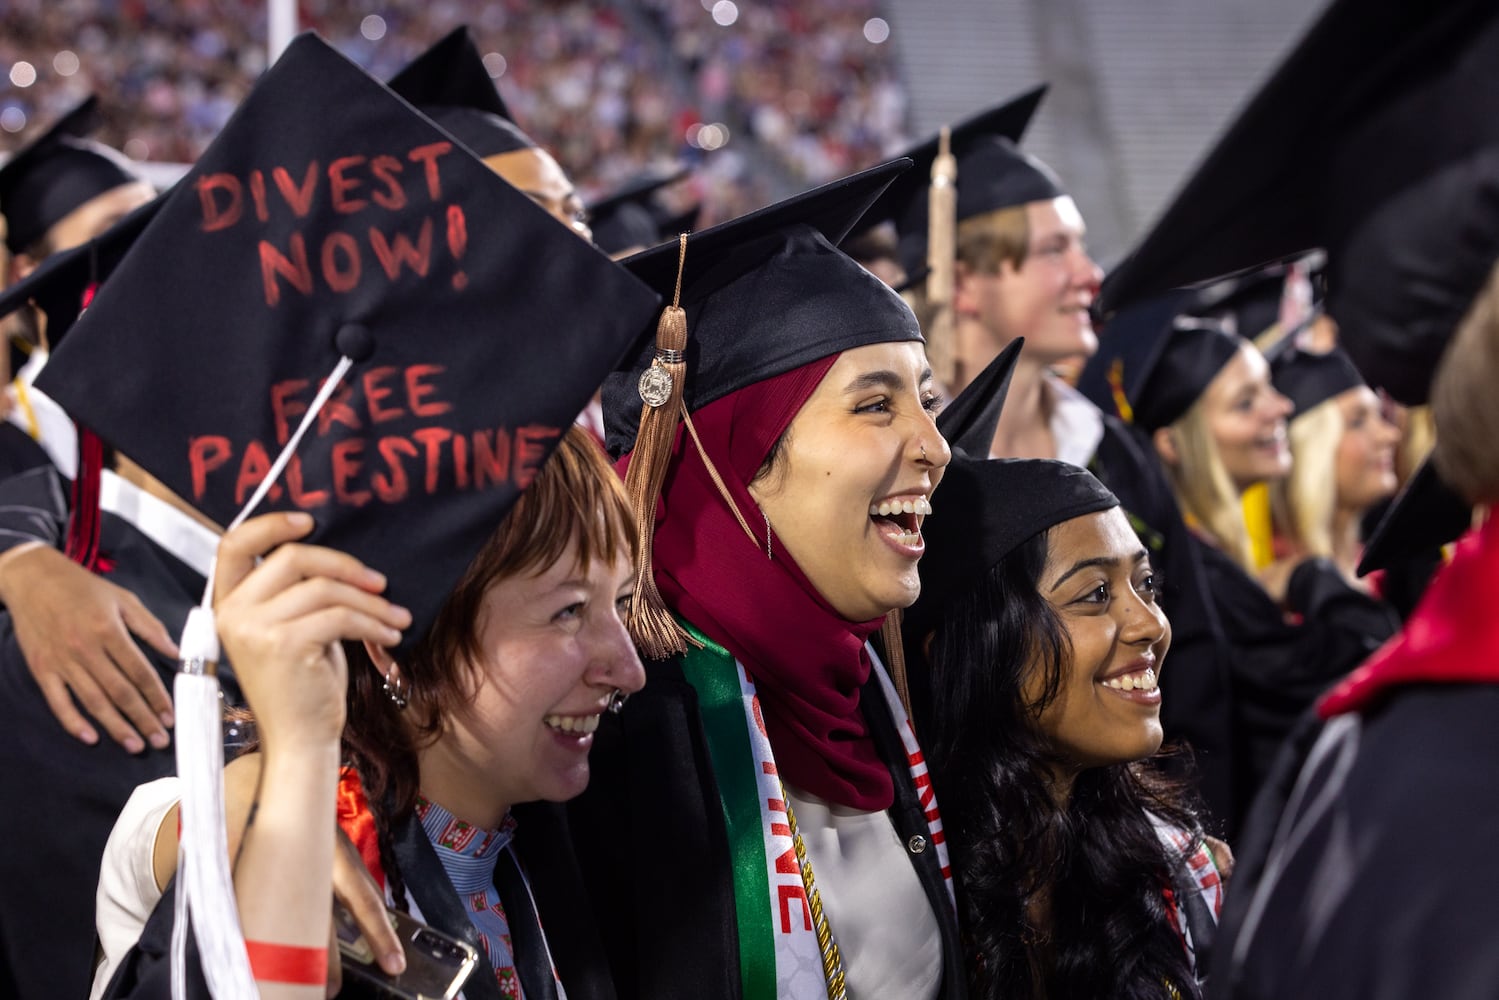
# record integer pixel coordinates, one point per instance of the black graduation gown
(1278, 668)
(1383, 881)
(543, 844)
(653, 847)
(63, 797)
(18, 452)
(1195, 709)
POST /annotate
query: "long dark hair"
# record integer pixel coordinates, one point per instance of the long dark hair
(1099, 861)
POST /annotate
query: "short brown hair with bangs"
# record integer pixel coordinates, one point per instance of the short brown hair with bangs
(575, 497)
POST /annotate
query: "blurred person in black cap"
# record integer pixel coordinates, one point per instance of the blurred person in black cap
(1205, 399)
(449, 83)
(1337, 424)
(1368, 869)
(1021, 269)
(769, 763)
(877, 250)
(57, 192)
(1037, 644)
(636, 217)
(400, 435)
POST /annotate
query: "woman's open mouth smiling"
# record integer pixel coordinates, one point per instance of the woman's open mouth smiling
(899, 520)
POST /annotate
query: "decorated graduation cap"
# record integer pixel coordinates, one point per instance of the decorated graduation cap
(990, 506)
(63, 169)
(992, 173)
(1309, 379)
(331, 242)
(634, 218)
(310, 321)
(1424, 516)
(1394, 168)
(450, 84)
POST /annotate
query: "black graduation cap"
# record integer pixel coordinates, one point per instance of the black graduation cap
(764, 294)
(326, 220)
(450, 84)
(45, 181)
(970, 421)
(1155, 359)
(985, 506)
(633, 216)
(1425, 515)
(1374, 139)
(60, 285)
(1127, 343)
(1178, 372)
(992, 174)
(1308, 379)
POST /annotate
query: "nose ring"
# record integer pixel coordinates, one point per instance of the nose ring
(617, 701)
(923, 453)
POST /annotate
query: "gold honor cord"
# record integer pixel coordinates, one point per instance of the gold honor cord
(832, 958)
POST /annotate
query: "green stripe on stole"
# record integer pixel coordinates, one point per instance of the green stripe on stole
(712, 672)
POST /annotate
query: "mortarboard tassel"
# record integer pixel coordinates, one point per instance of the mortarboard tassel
(942, 209)
(652, 626)
(205, 887)
(1116, 389)
(895, 659)
(84, 521)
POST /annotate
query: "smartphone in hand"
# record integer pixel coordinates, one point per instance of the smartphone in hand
(437, 965)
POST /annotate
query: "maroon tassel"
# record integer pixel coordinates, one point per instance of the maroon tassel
(85, 519)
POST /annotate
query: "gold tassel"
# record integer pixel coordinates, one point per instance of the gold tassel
(652, 626)
(895, 659)
(1116, 389)
(941, 257)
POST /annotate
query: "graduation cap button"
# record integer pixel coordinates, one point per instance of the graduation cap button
(354, 342)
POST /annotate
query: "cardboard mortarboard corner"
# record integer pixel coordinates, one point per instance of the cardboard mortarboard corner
(1424, 516)
(988, 506)
(450, 84)
(970, 421)
(329, 219)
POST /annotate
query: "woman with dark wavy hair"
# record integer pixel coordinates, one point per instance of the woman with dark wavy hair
(1038, 642)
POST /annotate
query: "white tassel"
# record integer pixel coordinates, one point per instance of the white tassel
(205, 885)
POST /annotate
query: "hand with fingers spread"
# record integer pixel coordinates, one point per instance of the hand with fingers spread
(75, 630)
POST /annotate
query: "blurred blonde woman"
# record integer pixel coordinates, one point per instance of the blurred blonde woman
(1219, 427)
(1343, 453)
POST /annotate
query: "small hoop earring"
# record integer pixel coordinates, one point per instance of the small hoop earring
(617, 701)
(768, 554)
(395, 688)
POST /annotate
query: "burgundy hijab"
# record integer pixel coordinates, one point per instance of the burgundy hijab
(807, 662)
